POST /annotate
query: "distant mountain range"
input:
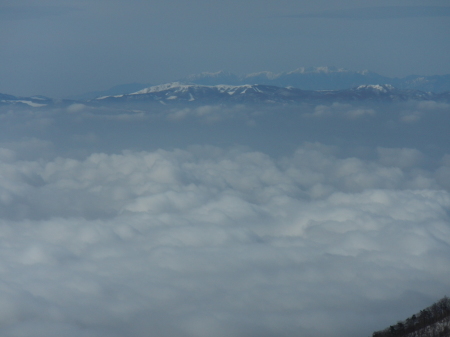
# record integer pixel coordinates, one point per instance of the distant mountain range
(318, 78)
(301, 85)
(323, 78)
(116, 90)
(34, 101)
(259, 93)
(181, 93)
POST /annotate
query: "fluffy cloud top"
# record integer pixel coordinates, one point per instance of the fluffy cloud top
(112, 223)
(227, 242)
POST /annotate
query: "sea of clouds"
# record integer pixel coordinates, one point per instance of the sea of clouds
(330, 220)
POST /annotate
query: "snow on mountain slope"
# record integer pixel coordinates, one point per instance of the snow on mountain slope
(323, 78)
(177, 92)
(190, 93)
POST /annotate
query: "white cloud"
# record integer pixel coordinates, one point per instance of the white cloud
(432, 105)
(341, 109)
(77, 107)
(410, 116)
(191, 242)
(107, 229)
(416, 111)
(355, 113)
(402, 158)
(208, 113)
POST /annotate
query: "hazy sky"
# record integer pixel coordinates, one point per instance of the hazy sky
(62, 48)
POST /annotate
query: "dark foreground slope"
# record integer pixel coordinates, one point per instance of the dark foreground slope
(433, 321)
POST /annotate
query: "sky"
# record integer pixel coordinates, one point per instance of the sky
(231, 221)
(320, 219)
(63, 48)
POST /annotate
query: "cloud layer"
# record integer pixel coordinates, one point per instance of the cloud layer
(209, 240)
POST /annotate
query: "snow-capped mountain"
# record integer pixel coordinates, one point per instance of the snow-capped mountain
(34, 101)
(323, 78)
(312, 78)
(178, 92)
(115, 90)
(189, 93)
(387, 92)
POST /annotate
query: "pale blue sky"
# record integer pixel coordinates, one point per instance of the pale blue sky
(63, 48)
